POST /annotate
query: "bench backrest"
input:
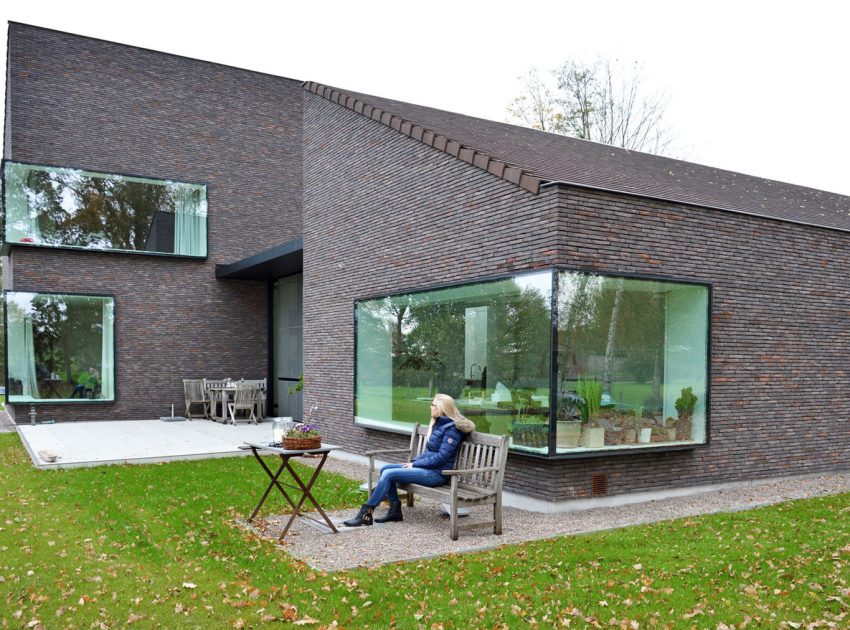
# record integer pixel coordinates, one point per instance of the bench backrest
(478, 450)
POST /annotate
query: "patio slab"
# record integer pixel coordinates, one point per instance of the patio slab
(78, 444)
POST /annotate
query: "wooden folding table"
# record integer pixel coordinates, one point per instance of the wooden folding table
(303, 491)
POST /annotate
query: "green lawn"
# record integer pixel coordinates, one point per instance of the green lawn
(157, 546)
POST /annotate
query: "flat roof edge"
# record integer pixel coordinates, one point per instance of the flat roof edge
(690, 204)
(285, 259)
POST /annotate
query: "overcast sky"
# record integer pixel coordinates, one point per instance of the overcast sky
(756, 87)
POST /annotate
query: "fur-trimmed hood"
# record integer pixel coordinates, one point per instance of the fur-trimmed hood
(464, 425)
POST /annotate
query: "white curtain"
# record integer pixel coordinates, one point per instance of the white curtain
(190, 222)
(107, 360)
(21, 209)
(22, 352)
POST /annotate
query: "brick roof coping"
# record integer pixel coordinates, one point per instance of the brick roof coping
(534, 160)
(512, 173)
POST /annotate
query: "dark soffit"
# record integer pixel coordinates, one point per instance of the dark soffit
(279, 261)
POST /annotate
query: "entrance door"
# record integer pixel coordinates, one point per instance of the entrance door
(288, 345)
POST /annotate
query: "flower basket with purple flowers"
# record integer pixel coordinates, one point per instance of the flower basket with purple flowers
(303, 437)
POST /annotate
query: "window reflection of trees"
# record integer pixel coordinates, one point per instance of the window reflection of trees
(612, 329)
(427, 334)
(96, 212)
(67, 334)
(66, 341)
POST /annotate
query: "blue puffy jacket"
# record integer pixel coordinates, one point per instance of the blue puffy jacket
(442, 446)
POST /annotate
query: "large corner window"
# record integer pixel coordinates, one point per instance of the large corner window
(487, 345)
(63, 207)
(632, 361)
(630, 372)
(60, 347)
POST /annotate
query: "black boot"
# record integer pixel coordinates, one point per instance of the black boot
(364, 517)
(393, 514)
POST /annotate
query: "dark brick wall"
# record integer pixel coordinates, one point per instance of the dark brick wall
(81, 102)
(383, 213)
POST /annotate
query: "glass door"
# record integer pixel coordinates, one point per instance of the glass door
(287, 344)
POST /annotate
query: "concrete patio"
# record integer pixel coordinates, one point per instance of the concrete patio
(78, 444)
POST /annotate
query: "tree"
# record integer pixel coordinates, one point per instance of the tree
(602, 101)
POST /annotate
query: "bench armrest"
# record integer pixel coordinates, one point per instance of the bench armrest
(470, 471)
(386, 451)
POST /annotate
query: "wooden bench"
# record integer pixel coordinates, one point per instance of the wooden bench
(476, 478)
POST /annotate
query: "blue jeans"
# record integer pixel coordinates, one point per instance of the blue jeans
(391, 474)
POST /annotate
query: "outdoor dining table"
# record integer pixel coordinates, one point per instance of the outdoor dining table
(220, 394)
(303, 491)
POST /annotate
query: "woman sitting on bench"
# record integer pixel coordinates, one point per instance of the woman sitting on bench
(445, 433)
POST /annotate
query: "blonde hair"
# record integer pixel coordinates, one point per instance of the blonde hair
(447, 407)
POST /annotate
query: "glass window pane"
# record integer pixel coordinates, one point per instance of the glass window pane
(632, 363)
(60, 347)
(487, 345)
(63, 207)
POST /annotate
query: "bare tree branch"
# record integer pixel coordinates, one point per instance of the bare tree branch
(603, 101)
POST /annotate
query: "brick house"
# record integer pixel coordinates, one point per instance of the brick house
(635, 323)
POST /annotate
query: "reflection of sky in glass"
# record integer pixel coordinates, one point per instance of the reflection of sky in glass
(24, 303)
(20, 303)
(540, 283)
(69, 201)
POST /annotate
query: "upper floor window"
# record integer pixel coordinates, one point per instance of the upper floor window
(64, 207)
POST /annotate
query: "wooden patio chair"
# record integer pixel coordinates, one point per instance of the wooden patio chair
(260, 384)
(244, 401)
(194, 394)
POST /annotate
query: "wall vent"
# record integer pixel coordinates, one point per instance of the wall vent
(599, 485)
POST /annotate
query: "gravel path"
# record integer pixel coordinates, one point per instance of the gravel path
(424, 533)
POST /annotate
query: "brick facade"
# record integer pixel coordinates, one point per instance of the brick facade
(384, 213)
(74, 101)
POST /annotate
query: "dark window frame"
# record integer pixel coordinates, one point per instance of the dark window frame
(553, 349)
(62, 401)
(6, 246)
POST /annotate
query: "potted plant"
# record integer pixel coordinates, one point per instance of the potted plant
(645, 434)
(527, 428)
(533, 434)
(630, 429)
(303, 436)
(632, 423)
(670, 425)
(685, 405)
(590, 401)
(568, 424)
